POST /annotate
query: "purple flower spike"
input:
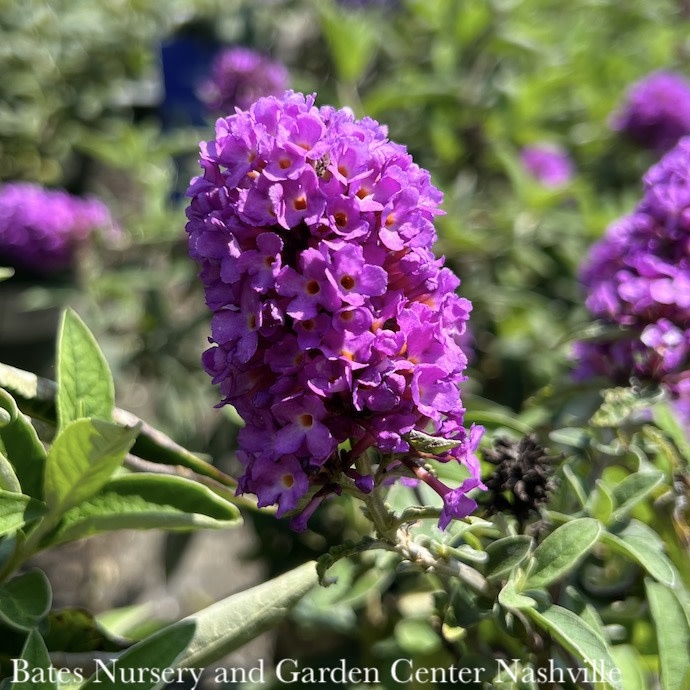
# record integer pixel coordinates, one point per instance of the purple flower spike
(549, 165)
(656, 112)
(637, 277)
(334, 325)
(238, 77)
(42, 229)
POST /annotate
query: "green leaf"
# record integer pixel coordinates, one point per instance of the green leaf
(561, 551)
(147, 501)
(510, 598)
(8, 477)
(672, 634)
(158, 652)
(628, 660)
(23, 447)
(416, 636)
(25, 600)
(633, 489)
(85, 385)
(578, 638)
(644, 551)
(82, 459)
(667, 421)
(505, 554)
(230, 623)
(16, 510)
(32, 672)
(601, 503)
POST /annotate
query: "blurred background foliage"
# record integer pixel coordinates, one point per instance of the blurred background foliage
(94, 98)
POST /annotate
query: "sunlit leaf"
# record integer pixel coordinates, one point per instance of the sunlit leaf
(85, 385)
(147, 501)
(578, 638)
(561, 551)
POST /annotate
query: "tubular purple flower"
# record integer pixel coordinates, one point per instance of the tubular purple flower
(336, 331)
(656, 111)
(548, 164)
(238, 77)
(41, 229)
(637, 277)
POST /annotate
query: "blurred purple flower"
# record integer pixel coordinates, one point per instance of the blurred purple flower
(549, 165)
(638, 277)
(333, 320)
(656, 111)
(239, 76)
(41, 229)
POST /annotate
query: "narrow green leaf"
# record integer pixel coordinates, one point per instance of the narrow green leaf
(16, 510)
(576, 485)
(633, 489)
(578, 638)
(644, 553)
(147, 659)
(85, 385)
(561, 551)
(82, 459)
(672, 634)
(32, 671)
(505, 554)
(23, 447)
(230, 623)
(25, 600)
(147, 501)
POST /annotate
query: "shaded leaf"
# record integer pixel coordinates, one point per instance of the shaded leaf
(23, 447)
(505, 554)
(578, 638)
(8, 477)
(643, 552)
(85, 385)
(33, 672)
(157, 652)
(82, 459)
(230, 623)
(75, 630)
(672, 634)
(147, 501)
(25, 600)
(561, 551)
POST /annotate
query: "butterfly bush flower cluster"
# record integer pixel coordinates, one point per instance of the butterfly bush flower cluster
(238, 77)
(335, 329)
(638, 277)
(656, 113)
(41, 229)
(549, 165)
